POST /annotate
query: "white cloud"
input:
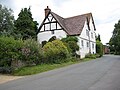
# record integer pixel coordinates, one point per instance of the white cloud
(105, 12)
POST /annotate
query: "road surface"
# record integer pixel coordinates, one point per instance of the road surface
(99, 74)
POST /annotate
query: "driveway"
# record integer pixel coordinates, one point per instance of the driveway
(99, 74)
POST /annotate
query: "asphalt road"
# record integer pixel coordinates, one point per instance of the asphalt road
(99, 74)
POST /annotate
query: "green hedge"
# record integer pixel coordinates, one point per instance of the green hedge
(71, 44)
(28, 51)
(31, 52)
(55, 52)
(9, 50)
(99, 48)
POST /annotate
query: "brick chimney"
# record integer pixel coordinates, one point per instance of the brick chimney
(47, 10)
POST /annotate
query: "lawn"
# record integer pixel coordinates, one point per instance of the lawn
(43, 67)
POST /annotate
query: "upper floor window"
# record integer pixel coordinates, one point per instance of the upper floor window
(87, 32)
(91, 35)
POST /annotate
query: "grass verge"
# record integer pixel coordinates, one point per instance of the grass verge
(44, 67)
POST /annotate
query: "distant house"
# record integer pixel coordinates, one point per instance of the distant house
(106, 49)
(81, 26)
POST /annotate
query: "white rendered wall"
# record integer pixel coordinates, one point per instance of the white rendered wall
(91, 40)
(45, 36)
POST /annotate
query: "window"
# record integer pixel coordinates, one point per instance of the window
(87, 44)
(93, 45)
(82, 44)
(91, 35)
(87, 32)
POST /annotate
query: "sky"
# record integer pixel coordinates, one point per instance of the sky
(105, 12)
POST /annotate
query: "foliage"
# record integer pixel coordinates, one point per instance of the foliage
(92, 56)
(115, 39)
(70, 38)
(55, 52)
(6, 21)
(99, 48)
(43, 43)
(25, 26)
(31, 52)
(52, 39)
(28, 51)
(9, 50)
(41, 68)
(98, 37)
(71, 44)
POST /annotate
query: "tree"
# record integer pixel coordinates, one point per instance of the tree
(6, 21)
(99, 46)
(98, 37)
(71, 43)
(25, 26)
(115, 39)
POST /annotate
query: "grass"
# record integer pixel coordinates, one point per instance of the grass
(44, 67)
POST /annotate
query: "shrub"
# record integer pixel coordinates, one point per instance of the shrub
(99, 48)
(55, 52)
(9, 50)
(31, 52)
(71, 44)
(27, 52)
(52, 39)
(92, 56)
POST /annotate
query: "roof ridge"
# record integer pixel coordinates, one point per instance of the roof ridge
(78, 15)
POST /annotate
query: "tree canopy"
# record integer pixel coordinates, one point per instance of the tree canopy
(99, 46)
(25, 26)
(115, 39)
(6, 21)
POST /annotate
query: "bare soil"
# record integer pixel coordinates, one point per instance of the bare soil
(6, 78)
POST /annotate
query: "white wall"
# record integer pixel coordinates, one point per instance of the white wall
(91, 41)
(45, 36)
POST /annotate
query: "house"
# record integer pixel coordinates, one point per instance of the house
(81, 26)
(106, 49)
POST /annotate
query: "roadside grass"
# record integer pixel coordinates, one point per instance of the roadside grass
(44, 67)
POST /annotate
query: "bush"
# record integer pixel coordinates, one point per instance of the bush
(55, 52)
(9, 50)
(31, 52)
(71, 44)
(99, 48)
(92, 56)
(27, 52)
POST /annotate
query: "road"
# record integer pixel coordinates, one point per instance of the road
(99, 74)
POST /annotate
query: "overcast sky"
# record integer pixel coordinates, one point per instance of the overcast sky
(105, 12)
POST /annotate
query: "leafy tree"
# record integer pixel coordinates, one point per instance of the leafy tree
(6, 21)
(25, 26)
(115, 39)
(71, 43)
(99, 46)
(98, 37)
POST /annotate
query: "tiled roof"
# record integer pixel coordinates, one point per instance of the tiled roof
(73, 25)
